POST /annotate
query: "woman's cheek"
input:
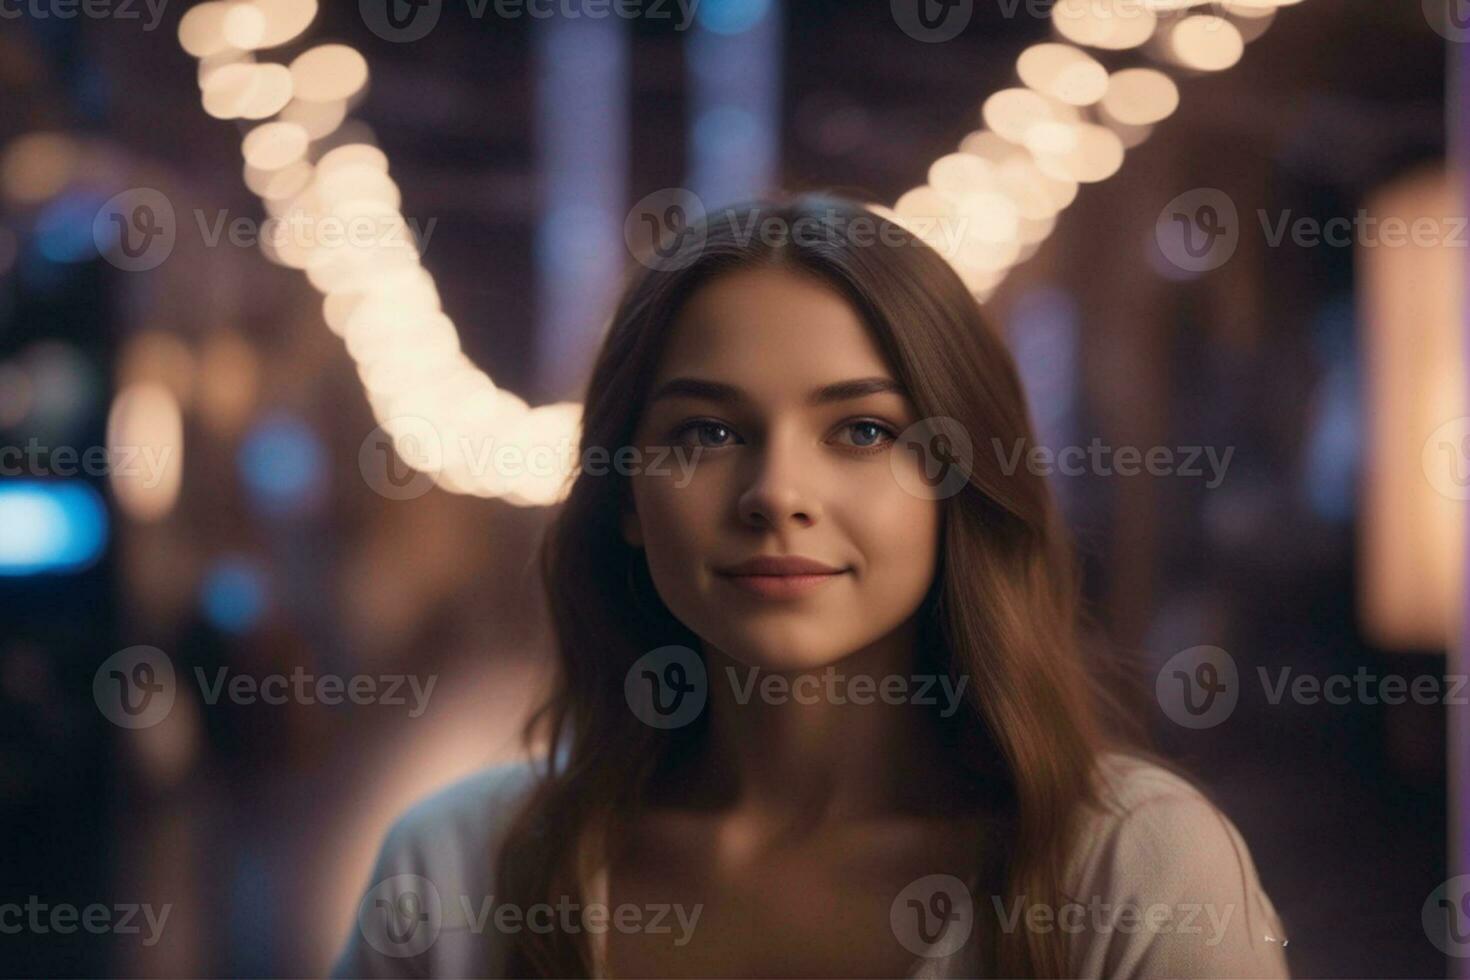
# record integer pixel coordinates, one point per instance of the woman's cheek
(902, 536)
(685, 510)
(678, 529)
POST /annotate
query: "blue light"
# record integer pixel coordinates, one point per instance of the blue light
(233, 594)
(1333, 446)
(733, 64)
(731, 16)
(64, 229)
(1332, 453)
(725, 129)
(282, 463)
(1043, 331)
(569, 243)
(50, 526)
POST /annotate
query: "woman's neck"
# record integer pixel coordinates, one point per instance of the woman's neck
(799, 749)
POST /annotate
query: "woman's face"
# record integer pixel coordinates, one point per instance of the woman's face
(780, 472)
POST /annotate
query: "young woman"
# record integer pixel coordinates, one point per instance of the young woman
(820, 708)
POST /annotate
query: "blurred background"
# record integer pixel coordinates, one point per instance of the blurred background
(1185, 231)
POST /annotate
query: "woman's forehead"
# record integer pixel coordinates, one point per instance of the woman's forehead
(759, 323)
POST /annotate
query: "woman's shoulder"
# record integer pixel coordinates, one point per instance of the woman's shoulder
(1144, 804)
(1128, 782)
(1166, 883)
(428, 902)
(473, 807)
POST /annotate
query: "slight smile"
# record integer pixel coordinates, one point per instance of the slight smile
(780, 577)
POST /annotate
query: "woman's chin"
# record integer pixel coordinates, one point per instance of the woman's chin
(769, 654)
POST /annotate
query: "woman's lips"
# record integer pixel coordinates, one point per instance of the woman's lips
(781, 586)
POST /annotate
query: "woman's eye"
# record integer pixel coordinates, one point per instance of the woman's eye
(708, 434)
(870, 435)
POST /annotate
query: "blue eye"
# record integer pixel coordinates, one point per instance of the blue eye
(874, 435)
(868, 434)
(700, 427)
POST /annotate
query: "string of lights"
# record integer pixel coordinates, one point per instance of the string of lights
(986, 207)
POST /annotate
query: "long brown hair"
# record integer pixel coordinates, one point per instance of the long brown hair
(1004, 609)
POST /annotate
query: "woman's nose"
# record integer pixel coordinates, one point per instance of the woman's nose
(781, 490)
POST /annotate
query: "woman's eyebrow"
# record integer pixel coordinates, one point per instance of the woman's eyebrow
(718, 391)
